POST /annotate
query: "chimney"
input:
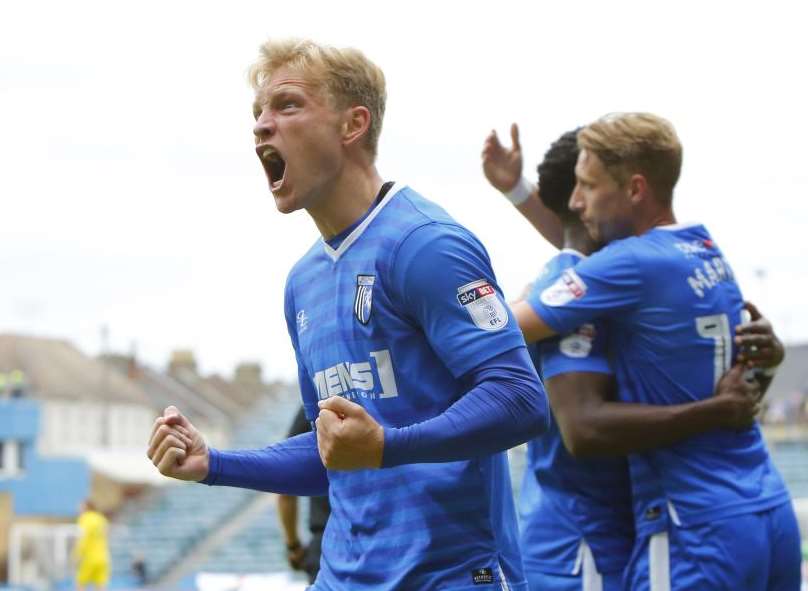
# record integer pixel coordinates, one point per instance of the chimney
(182, 361)
(248, 374)
(132, 367)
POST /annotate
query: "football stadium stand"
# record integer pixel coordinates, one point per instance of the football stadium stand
(182, 528)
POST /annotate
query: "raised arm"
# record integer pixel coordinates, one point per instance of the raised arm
(503, 170)
(446, 286)
(504, 406)
(292, 466)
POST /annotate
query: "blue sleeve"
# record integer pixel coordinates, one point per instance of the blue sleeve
(307, 391)
(505, 406)
(583, 349)
(291, 467)
(606, 283)
(448, 288)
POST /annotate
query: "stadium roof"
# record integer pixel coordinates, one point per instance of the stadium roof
(54, 368)
(213, 398)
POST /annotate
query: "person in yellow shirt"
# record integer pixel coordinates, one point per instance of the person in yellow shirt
(91, 551)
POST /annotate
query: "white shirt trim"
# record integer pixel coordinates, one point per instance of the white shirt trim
(591, 579)
(672, 510)
(659, 570)
(504, 581)
(681, 226)
(579, 559)
(335, 254)
(575, 252)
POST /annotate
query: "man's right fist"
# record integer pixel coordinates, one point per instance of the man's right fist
(176, 448)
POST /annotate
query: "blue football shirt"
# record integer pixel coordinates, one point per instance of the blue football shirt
(565, 500)
(362, 329)
(673, 305)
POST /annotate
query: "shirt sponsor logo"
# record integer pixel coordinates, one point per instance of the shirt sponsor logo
(481, 301)
(363, 300)
(578, 344)
(693, 247)
(568, 287)
(373, 379)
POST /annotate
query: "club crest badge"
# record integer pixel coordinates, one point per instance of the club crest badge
(363, 300)
(578, 344)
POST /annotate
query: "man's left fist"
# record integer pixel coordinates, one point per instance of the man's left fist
(348, 438)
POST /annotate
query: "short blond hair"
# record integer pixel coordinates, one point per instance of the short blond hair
(627, 143)
(347, 76)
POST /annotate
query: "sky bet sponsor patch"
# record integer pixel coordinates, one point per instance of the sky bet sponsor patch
(567, 287)
(480, 300)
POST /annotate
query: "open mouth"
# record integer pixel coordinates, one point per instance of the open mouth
(274, 165)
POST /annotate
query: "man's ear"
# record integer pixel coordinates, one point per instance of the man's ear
(355, 125)
(637, 189)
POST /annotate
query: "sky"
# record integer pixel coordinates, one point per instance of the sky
(132, 198)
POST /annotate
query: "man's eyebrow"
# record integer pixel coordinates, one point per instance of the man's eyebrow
(268, 97)
(581, 176)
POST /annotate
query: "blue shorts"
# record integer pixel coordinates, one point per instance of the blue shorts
(753, 552)
(552, 582)
(586, 577)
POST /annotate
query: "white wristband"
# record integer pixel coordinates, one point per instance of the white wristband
(521, 191)
(769, 371)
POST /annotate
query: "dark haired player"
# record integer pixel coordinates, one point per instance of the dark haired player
(673, 304)
(577, 523)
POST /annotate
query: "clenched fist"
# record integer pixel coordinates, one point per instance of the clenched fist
(177, 448)
(347, 436)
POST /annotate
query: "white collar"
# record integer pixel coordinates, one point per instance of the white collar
(672, 227)
(336, 253)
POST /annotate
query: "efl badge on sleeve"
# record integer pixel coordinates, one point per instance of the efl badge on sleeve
(568, 287)
(481, 301)
(364, 297)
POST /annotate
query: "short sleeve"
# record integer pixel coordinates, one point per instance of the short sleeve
(582, 350)
(307, 391)
(606, 283)
(448, 287)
